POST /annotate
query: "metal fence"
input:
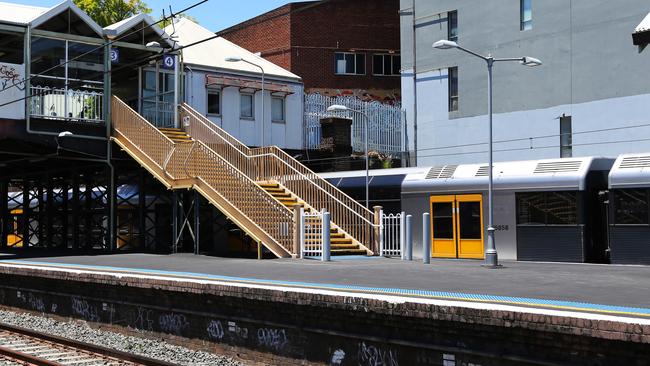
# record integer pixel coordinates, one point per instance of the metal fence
(386, 125)
(69, 104)
(311, 234)
(392, 234)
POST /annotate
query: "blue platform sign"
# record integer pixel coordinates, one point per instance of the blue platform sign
(169, 61)
(115, 56)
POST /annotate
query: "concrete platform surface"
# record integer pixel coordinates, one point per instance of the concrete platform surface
(608, 289)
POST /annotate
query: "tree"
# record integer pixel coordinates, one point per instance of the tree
(107, 12)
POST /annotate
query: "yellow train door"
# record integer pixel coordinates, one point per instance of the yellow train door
(457, 226)
(443, 229)
(469, 220)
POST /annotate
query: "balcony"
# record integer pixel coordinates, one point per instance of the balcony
(66, 104)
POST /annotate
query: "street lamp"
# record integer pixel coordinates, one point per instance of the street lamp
(342, 108)
(241, 59)
(491, 257)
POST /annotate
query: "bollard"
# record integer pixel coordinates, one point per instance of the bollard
(409, 238)
(426, 238)
(325, 257)
(302, 233)
(402, 236)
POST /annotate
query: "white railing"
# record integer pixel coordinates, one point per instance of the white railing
(311, 234)
(386, 125)
(160, 114)
(66, 104)
(391, 240)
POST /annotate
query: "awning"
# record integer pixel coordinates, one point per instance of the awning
(252, 85)
(641, 35)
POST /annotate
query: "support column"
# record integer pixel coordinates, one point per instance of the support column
(27, 212)
(40, 232)
(174, 220)
(64, 212)
(4, 212)
(296, 229)
(197, 222)
(50, 212)
(76, 210)
(142, 210)
(377, 243)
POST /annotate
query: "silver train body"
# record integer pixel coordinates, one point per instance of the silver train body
(584, 209)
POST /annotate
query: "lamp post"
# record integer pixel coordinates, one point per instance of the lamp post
(491, 257)
(342, 108)
(240, 59)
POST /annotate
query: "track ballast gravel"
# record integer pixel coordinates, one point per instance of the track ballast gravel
(158, 349)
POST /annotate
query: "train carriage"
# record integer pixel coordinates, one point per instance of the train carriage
(629, 209)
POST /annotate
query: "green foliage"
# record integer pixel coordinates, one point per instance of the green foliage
(107, 12)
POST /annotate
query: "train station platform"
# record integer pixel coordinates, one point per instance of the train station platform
(289, 311)
(585, 288)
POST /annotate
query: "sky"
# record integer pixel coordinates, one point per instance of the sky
(214, 14)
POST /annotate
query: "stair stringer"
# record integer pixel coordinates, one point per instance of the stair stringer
(312, 209)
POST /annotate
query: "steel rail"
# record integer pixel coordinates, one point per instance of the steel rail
(74, 345)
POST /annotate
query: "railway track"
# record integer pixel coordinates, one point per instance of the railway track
(19, 346)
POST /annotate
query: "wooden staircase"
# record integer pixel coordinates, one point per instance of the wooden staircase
(177, 135)
(340, 243)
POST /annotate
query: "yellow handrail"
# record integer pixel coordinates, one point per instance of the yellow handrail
(273, 164)
(251, 205)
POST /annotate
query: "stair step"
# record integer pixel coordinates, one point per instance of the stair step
(269, 185)
(348, 252)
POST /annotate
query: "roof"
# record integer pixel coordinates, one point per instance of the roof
(534, 175)
(124, 26)
(644, 26)
(34, 15)
(630, 171)
(20, 13)
(212, 53)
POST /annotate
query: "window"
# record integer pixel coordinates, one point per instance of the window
(350, 63)
(246, 106)
(566, 139)
(547, 208)
(453, 89)
(277, 109)
(452, 26)
(631, 207)
(214, 102)
(526, 14)
(386, 65)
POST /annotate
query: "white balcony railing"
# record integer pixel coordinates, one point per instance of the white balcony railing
(66, 104)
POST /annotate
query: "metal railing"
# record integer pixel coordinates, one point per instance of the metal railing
(311, 234)
(224, 180)
(391, 241)
(273, 164)
(66, 104)
(386, 124)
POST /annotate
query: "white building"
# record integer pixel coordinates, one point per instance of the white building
(229, 93)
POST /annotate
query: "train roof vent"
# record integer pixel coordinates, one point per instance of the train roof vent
(441, 172)
(482, 171)
(635, 162)
(558, 167)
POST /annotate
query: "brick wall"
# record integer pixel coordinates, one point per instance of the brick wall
(303, 38)
(311, 328)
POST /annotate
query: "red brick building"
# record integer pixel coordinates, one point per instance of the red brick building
(338, 47)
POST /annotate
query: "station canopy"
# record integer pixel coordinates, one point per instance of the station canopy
(641, 35)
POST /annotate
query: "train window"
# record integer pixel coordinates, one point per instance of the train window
(443, 223)
(547, 208)
(631, 207)
(561, 208)
(470, 220)
(531, 209)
